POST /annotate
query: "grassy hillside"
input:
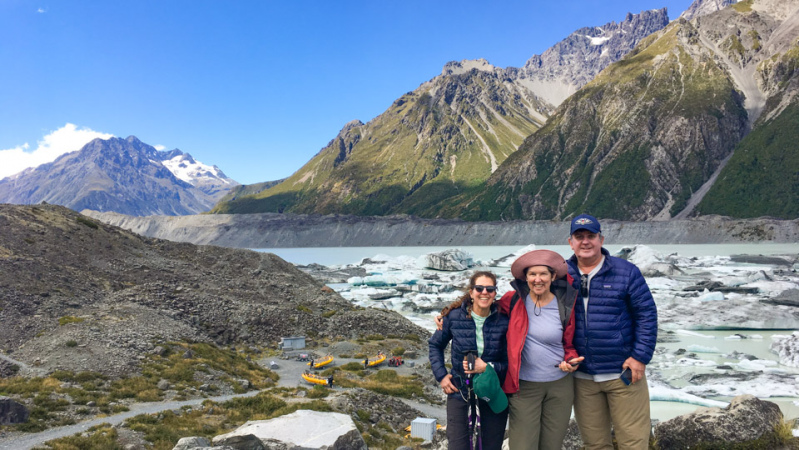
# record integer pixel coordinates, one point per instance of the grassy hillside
(640, 138)
(762, 178)
(450, 133)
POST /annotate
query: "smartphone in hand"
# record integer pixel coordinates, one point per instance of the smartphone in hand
(627, 376)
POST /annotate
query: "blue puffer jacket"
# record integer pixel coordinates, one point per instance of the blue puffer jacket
(621, 320)
(460, 329)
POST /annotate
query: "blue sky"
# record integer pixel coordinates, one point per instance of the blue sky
(255, 87)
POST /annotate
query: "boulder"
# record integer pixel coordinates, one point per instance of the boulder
(747, 418)
(192, 443)
(304, 429)
(242, 441)
(449, 260)
(12, 412)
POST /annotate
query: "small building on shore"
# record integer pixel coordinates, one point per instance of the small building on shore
(289, 343)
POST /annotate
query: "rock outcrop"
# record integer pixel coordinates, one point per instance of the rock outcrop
(301, 429)
(746, 419)
(12, 412)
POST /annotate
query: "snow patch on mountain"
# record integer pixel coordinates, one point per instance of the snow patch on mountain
(188, 169)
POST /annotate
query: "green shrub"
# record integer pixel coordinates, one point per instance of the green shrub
(352, 366)
(72, 343)
(363, 416)
(318, 391)
(101, 437)
(398, 351)
(70, 319)
(89, 223)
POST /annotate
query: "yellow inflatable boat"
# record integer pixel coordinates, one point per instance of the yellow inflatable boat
(322, 362)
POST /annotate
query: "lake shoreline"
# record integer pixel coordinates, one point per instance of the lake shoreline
(271, 230)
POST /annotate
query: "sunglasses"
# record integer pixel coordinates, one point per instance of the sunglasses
(489, 289)
(584, 286)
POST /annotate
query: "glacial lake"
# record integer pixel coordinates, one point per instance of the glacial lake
(670, 374)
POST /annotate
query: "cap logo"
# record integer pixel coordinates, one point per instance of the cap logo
(583, 221)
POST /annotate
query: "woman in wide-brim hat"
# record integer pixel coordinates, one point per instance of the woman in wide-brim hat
(541, 356)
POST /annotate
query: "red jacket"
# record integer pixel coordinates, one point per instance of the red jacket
(517, 329)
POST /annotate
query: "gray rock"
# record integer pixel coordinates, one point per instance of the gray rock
(163, 385)
(12, 412)
(192, 443)
(304, 429)
(747, 418)
(239, 441)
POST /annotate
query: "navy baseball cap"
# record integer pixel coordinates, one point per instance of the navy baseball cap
(585, 222)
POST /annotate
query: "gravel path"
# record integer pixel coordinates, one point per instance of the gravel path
(24, 441)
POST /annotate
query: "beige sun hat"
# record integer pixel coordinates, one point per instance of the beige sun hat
(539, 258)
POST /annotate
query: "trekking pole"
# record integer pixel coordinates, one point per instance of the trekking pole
(475, 434)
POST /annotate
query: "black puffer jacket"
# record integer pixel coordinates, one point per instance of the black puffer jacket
(459, 328)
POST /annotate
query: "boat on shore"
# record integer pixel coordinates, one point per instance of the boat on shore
(320, 363)
(317, 379)
(371, 362)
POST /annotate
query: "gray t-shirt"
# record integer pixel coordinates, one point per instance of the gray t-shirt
(543, 347)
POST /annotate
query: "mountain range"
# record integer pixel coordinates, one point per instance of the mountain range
(667, 127)
(643, 119)
(121, 175)
(448, 135)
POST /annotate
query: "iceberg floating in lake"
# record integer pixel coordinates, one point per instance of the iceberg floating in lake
(711, 297)
(695, 334)
(702, 349)
(664, 394)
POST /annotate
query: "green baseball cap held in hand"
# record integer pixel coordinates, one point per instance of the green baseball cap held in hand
(486, 387)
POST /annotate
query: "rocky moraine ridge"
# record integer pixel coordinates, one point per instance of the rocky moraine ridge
(123, 294)
(272, 230)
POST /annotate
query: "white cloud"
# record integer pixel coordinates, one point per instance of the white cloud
(159, 147)
(41, 10)
(68, 138)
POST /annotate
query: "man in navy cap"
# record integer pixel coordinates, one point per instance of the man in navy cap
(616, 330)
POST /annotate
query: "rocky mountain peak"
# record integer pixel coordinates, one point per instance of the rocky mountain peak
(573, 62)
(121, 175)
(466, 66)
(703, 7)
(349, 126)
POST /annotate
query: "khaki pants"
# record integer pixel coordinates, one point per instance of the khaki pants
(598, 405)
(539, 414)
